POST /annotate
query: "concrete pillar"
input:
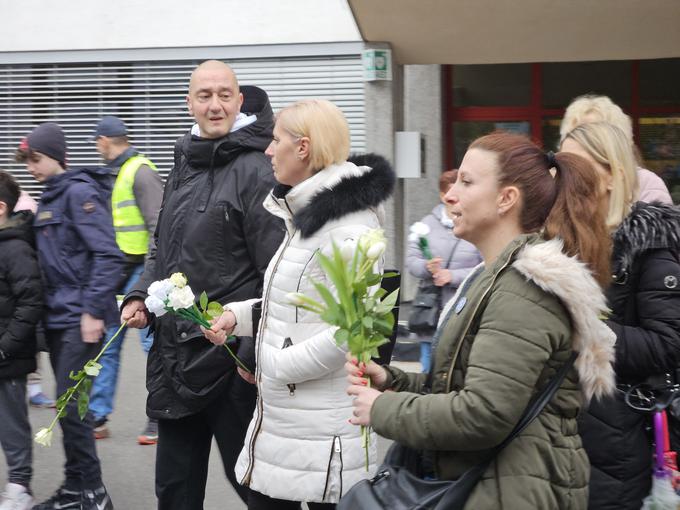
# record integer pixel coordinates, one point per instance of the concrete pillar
(422, 113)
(383, 110)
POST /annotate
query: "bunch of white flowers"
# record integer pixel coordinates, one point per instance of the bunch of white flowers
(171, 294)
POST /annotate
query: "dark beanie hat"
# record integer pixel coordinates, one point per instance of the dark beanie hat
(48, 139)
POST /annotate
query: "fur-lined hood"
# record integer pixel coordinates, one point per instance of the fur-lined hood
(364, 182)
(647, 227)
(569, 279)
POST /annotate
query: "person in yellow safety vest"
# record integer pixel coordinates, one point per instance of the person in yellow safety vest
(135, 203)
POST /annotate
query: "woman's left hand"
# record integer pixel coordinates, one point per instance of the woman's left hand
(363, 402)
(442, 277)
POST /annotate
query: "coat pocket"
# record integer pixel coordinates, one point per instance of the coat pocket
(291, 386)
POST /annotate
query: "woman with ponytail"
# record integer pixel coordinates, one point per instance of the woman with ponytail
(514, 323)
(643, 293)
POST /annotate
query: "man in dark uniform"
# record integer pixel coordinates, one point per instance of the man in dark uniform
(81, 266)
(213, 228)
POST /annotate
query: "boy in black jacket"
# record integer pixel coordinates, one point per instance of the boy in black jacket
(20, 310)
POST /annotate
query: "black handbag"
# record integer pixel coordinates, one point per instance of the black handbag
(425, 308)
(396, 486)
(427, 305)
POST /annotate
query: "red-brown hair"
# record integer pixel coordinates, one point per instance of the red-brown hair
(447, 179)
(569, 205)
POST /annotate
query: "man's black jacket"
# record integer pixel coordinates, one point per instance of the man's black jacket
(213, 228)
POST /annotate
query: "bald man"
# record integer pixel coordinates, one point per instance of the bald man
(213, 228)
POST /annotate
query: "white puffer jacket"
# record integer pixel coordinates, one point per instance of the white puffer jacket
(300, 445)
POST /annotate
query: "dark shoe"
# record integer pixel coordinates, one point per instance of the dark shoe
(150, 433)
(63, 499)
(101, 431)
(41, 400)
(97, 499)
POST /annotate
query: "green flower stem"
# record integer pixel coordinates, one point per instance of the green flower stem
(366, 432)
(188, 314)
(72, 390)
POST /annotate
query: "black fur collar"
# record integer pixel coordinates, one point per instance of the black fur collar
(647, 227)
(350, 195)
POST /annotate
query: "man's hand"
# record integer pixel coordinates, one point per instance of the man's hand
(442, 277)
(220, 328)
(134, 312)
(246, 376)
(91, 328)
(434, 265)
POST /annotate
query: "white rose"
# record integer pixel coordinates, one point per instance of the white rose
(160, 289)
(181, 298)
(178, 280)
(420, 229)
(155, 306)
(92, 368)
(43, 437)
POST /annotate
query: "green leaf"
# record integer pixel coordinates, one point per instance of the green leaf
(367, 321)
(76, 376)
(388, 302)
(92, 368)
(326, 295)
(390, 275)
(341, 336)
(214, 310)
(83, 404)
(333, 316)
(203, 300)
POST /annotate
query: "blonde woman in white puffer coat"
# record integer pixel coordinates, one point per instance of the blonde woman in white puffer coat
(300, 446)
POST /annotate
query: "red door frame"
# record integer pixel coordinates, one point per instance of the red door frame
(533, 112)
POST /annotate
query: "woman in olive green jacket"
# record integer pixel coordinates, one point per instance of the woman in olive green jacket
(513, 323)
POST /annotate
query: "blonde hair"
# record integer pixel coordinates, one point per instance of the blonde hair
(593, 108)
(608, 145)
(325, 126)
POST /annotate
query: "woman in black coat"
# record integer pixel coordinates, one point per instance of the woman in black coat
(644, 297)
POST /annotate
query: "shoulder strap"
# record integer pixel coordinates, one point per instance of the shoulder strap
(458, 493)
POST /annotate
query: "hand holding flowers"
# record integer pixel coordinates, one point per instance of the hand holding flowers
(362, 312)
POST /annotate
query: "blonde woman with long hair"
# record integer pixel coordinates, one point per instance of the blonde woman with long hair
(644, 297)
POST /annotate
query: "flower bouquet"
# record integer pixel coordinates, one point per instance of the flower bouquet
(362, 311)
(170, 295)
(419, 231)
(175, 296)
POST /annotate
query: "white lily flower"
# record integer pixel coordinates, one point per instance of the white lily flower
(43, 437)
(156, 306)
(180, 298)
(178, 280)
(420, 229)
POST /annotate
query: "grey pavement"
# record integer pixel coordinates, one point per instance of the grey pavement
(128, 468)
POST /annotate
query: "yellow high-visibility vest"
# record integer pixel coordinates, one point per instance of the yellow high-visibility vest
(131, 233)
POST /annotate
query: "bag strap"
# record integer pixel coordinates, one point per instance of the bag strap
(452, 497)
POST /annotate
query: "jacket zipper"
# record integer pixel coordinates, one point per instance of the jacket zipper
(258, 424)
(472, 317)
(336, 447)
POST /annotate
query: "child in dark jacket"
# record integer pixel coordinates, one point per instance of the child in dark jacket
(20, 311)
(81, 267)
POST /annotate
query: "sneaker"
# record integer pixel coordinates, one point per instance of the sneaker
(15, 497)
(97, 499)
(41, 400)
(150, 433)
(101, 431)
(63, 499)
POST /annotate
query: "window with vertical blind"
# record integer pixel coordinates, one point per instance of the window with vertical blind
(150, 98)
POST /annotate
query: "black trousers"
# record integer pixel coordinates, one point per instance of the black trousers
(258, 501)
(69, 353)
(184, 444)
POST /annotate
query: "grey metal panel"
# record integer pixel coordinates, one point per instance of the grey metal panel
(150, 97)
